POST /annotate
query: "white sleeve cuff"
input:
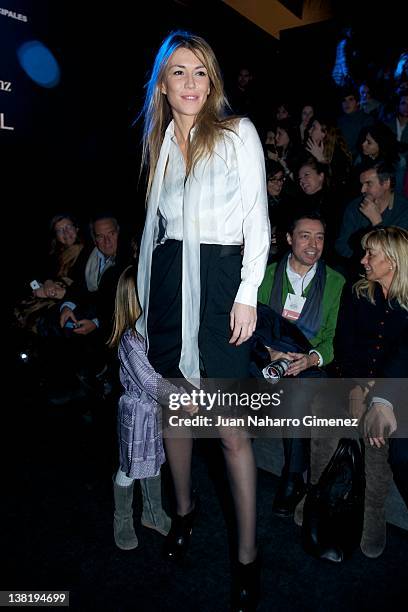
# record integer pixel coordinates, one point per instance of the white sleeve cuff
(70, 305)
(381, 400)
(247, 294)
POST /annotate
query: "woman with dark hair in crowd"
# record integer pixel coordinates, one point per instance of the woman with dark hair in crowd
(317, 195)
(378, 142)
(65, 265)
(287, 146)
(67, 249)
(279, 202)
(306, 120)
(269, 143)
(283, 110)
(368, 103)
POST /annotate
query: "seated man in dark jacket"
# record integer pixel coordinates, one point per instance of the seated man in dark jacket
(87, 310)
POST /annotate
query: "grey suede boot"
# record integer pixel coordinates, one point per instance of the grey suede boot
(378, 481)
(321, 451)
(123, 528)
(153, 515)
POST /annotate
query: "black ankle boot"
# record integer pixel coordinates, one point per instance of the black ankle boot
(246, 586)
(178, 538)
(290, 492)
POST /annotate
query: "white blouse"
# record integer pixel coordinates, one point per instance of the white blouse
(223, 201)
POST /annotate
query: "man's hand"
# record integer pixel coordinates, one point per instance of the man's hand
(370, 210)
(300, 362)
(278, 354)
(66, 314)
(86, 326)
(379, 424)
(242, 323)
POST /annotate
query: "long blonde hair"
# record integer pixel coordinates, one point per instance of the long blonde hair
(127, 308)
(211, 119)
(393, 242)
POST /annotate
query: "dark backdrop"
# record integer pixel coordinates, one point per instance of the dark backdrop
(73, 147)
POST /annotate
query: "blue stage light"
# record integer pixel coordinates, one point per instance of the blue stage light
(39, 63)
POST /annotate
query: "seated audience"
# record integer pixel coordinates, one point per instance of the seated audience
(88, 309)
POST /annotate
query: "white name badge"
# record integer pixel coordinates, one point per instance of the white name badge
(293, 306)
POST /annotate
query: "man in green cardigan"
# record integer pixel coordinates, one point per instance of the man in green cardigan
(304, 290)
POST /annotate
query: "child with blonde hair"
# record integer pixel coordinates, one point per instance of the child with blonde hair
(139, 421)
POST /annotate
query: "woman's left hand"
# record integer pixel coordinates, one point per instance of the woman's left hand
(54, 290)
(242, 323)
(39, 293)
(379, 424)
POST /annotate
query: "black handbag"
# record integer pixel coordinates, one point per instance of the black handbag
(334, 508)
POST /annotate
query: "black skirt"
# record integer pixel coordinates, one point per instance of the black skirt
(220, 277)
